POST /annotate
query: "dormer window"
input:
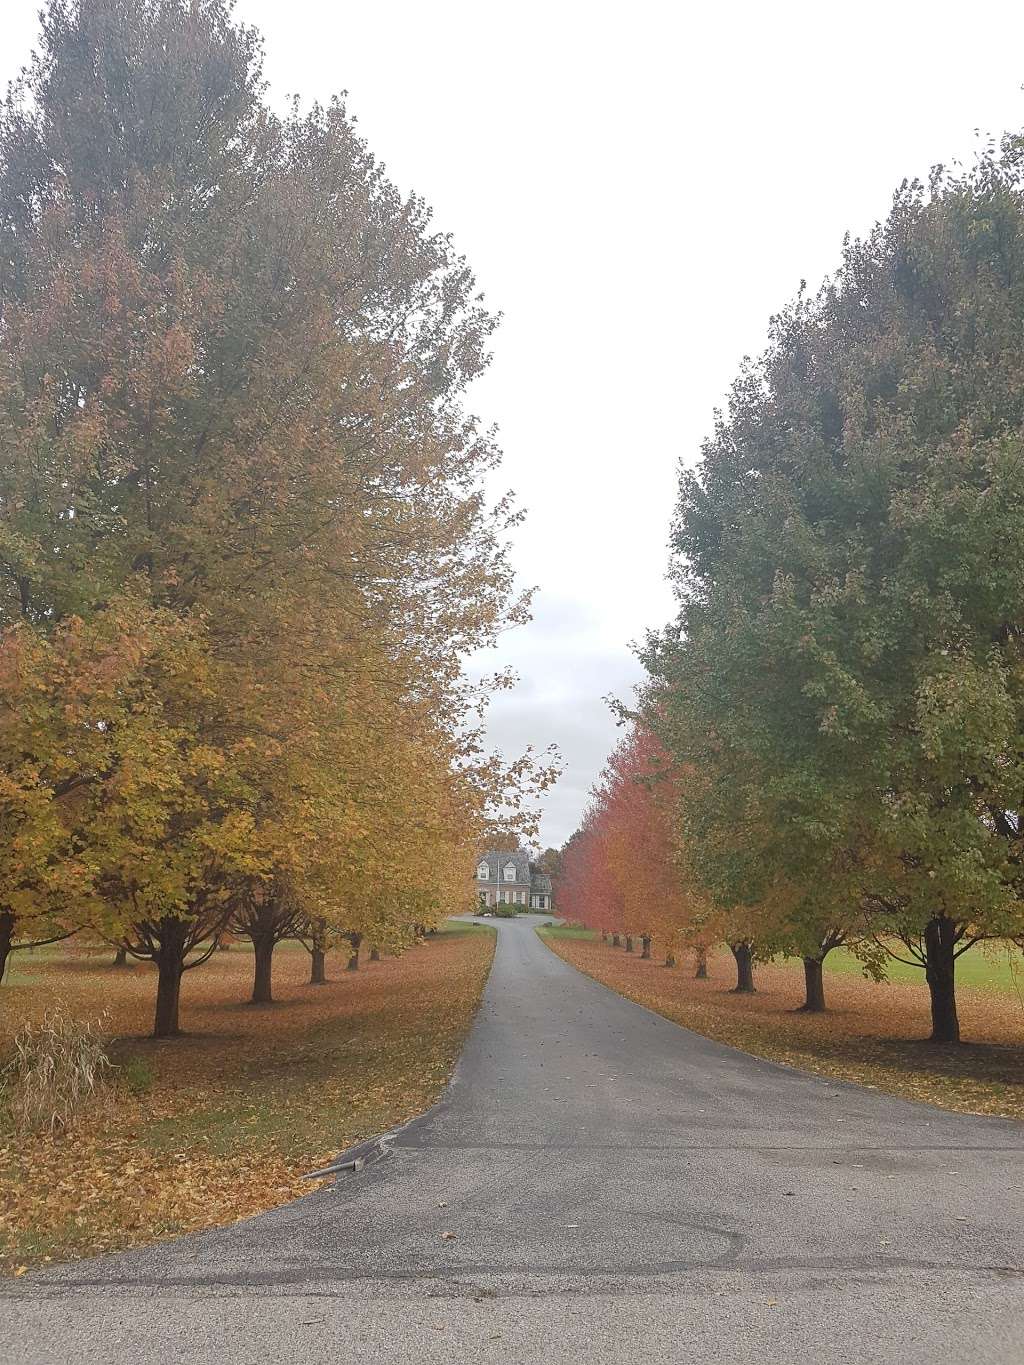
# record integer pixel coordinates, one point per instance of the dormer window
(510, 872)
(481, 872)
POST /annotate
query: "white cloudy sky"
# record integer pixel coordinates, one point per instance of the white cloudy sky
(638, 188)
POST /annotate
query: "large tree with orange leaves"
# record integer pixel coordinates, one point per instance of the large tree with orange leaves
(233, 366)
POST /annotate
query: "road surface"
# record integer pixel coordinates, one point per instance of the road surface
(598, 1185)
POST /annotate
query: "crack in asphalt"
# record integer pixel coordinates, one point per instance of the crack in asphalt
(279, 1278)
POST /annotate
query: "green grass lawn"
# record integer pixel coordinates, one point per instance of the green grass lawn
(23, 966)
(990, 966)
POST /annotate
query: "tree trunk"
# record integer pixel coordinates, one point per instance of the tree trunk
(263, 947)
(744, 956)
(670, 959)
(615, 941)
(629, 943)
(120, 958)
(6, 939)
(375, 954)
(318, 952)
(645, 941)
(701, 973)
(353, 960)
(814, 986)
(169, 967)
(940, 973)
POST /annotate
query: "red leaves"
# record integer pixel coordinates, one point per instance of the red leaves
(620, 869)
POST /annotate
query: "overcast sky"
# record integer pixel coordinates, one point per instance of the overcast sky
(638, 188)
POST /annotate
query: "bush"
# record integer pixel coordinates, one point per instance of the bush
(505, 911)
(59, 1067)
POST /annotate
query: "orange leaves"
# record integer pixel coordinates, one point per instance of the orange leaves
(621, 869)
(77, 1199)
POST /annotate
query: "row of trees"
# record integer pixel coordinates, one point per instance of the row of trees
(840, 702)
(243, 545)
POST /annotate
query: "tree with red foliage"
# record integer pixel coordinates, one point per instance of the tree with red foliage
(623, 870)
(640, 794)
(586, 892)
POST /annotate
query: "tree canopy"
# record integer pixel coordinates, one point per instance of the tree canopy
(233, 372)
(845, 674)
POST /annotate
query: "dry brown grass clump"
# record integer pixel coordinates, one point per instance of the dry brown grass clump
(59, 1068)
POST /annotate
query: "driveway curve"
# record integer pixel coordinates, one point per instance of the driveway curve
(600, 1185)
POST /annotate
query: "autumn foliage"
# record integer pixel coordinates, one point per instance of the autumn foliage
(243, 544)
(622, 871)
(840, 700)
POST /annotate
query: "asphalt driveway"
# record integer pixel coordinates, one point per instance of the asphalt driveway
(598, 1185)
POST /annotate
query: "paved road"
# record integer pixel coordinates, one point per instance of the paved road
(620, 1190)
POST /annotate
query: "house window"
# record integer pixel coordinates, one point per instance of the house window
(510, 872)
(542, 902)
(481, 872)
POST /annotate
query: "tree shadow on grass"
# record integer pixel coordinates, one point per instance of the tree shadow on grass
(187, 1041)
(992, 1063)
(284, 1005)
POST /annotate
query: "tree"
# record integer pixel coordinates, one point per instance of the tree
(313, 935)
(170, 833)
(266, 912)
(119, 813)
(88, 735)
(233, 366)
(846, 667)
(550, 863)
(587, 892)
(50, 754)
(641, 844)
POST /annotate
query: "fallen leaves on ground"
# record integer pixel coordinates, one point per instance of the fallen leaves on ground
(241, 1106)
(873, 1032)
